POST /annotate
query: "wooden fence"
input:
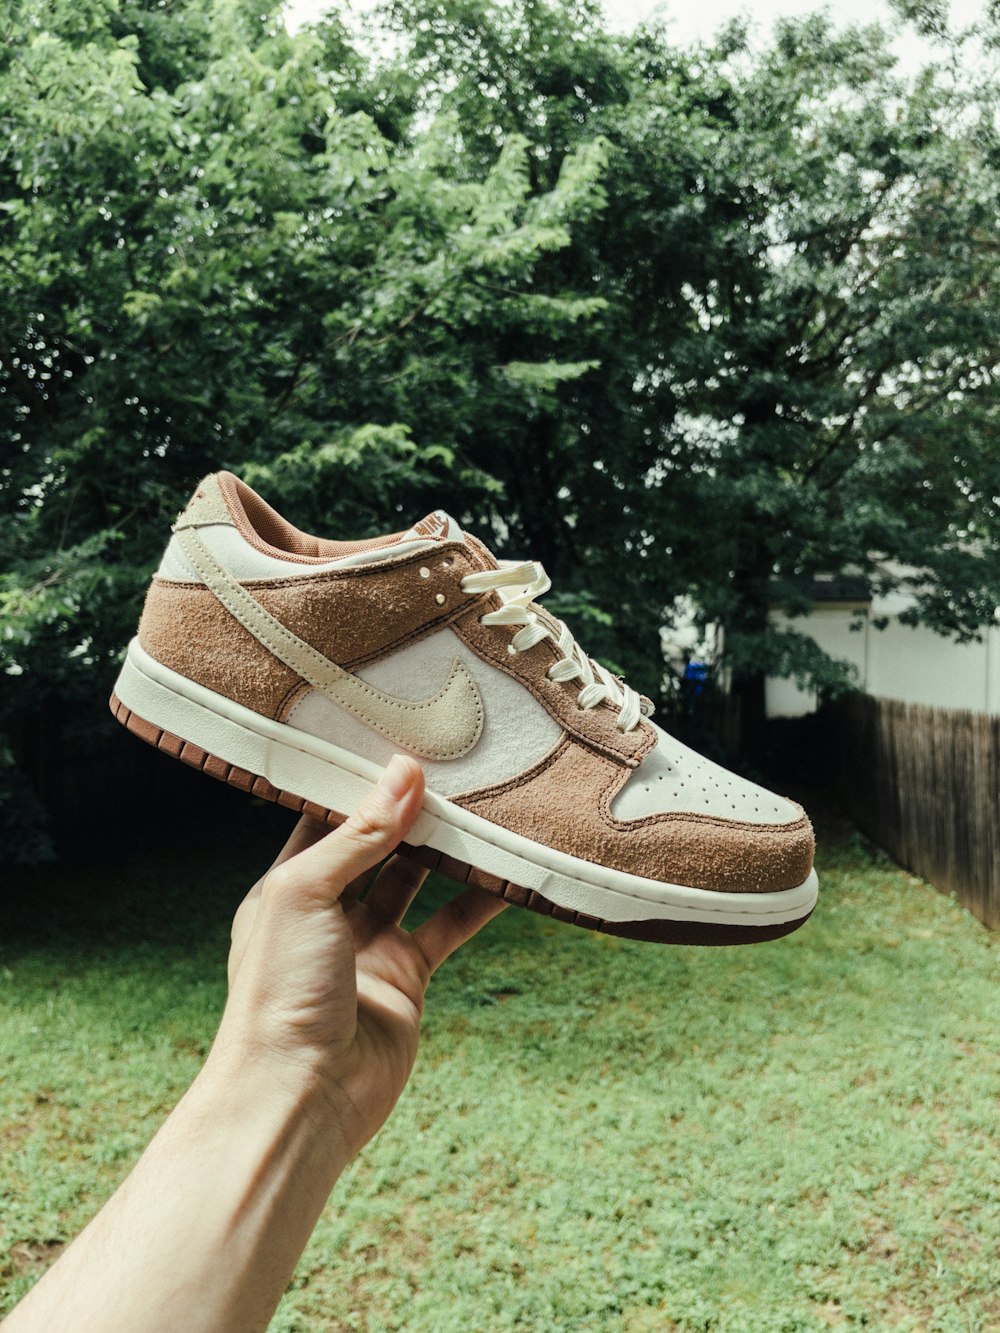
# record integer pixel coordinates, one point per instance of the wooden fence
(924, 783)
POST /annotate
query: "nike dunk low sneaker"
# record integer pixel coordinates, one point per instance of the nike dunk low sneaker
(294, 667)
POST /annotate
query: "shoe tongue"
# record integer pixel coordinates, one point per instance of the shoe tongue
(436, 527)
(439, 526)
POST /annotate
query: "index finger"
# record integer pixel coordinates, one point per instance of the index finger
(456, 922)
(323, 867)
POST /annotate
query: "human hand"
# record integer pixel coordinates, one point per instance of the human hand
(326, 988)
(317, 1041)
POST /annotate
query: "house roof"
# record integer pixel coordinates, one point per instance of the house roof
(831, 587)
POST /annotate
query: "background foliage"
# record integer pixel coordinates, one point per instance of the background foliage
(702, 321)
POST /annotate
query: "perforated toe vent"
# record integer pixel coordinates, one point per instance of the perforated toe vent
(674, 778)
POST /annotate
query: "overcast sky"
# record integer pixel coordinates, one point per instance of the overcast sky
(694, 19)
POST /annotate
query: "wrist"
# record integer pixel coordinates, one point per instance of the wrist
(278, 1095)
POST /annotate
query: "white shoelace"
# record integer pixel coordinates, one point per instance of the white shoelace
(519, 584)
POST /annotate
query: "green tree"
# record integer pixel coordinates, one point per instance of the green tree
(219, 246)
(841, 392)
(703, 321)
(796, 354)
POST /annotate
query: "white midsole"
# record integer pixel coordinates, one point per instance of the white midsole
(337, 779)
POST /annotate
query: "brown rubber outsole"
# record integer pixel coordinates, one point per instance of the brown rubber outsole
(658, 931)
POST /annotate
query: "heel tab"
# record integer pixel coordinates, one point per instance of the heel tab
(207, 505)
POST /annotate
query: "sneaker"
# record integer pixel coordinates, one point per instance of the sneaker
(293, 667)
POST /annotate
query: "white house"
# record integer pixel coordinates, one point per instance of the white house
(898, 662)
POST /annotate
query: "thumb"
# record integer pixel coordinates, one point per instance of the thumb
(367, 836)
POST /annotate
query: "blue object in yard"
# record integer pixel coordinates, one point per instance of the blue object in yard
(696, 676)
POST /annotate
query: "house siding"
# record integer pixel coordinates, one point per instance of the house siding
(902, 662)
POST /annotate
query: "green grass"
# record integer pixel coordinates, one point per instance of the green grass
(598, 1134)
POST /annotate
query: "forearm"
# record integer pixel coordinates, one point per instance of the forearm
(316, 1044)
(206, 1231)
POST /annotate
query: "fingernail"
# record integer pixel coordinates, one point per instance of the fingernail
(397, 778)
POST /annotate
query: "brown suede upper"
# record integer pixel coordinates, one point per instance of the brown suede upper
(187, 629)
(354, 616)
(358, 615)
(565, 802)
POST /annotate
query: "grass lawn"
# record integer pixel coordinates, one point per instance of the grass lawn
(598, 1134)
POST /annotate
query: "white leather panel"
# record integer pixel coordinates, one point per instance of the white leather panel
(674, 778)
(517, 732)
(244, 561)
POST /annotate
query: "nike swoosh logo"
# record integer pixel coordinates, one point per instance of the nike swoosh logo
(446, 725)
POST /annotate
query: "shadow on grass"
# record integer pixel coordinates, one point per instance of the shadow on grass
(162, 871)
(166, 868)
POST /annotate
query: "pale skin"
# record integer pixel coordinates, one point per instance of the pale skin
(317, 1041)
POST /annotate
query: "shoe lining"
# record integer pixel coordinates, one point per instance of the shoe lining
(265, 529)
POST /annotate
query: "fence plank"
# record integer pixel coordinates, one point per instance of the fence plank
(924, 783)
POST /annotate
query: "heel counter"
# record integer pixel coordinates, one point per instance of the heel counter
(185, 628)
(154, 628)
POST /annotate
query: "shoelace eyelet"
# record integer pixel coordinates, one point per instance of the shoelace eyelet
(513, 588)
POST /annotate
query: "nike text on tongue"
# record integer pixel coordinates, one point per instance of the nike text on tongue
(438, 526)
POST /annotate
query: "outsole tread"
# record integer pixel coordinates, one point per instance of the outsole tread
(461, 872)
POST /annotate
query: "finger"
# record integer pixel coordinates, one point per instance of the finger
(240, 932)
(455, 923)
(319, 874)
(395, 888)
(306, 832)
(357, 886)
